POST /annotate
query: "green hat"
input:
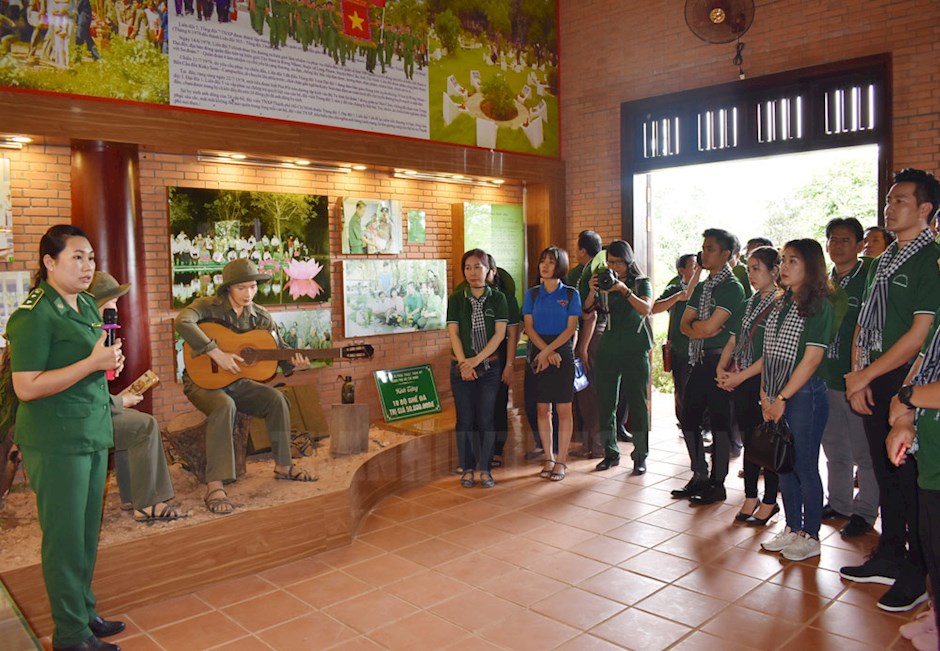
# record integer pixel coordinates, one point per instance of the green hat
(240, 270)
(104, 287)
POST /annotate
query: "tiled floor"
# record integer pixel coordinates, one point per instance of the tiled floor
(597, 561)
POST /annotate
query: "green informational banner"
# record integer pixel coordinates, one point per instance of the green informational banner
(407, 392)
(499, 230)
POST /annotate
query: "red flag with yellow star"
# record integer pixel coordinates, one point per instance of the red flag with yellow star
(356, 19)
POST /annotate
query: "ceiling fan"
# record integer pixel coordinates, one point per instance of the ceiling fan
(721, 21)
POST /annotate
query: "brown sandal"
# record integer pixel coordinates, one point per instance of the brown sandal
(149, 515)
(219, 505)
(296, 473)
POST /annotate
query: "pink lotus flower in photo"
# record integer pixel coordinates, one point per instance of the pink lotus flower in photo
(302, 274)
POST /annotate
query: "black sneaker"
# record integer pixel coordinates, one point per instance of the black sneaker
(714, 493)
(907, 592)
(877, 568)
(857, 526)
(829, 513)
(694, 487)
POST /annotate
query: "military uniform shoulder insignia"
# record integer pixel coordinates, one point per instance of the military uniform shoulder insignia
(33, 298)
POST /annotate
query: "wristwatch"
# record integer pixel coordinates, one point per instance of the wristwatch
(904, 395)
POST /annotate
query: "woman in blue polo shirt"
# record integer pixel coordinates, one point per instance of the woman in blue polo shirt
(550, 315)
(476, 323)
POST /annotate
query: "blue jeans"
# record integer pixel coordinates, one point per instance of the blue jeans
(807, 411)
(475, 401)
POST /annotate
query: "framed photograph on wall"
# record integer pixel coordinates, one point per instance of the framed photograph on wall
(285, 235)
(14, 287)
(6, 211)
(391, 296)
(370, 226)
(305, 330)
(417, 226)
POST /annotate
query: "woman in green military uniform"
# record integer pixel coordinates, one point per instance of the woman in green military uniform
(623, 355)
(63, 426)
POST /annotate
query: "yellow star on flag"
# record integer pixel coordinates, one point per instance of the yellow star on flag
(356, 21)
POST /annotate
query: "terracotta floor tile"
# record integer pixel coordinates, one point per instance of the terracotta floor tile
(523, 587)
(235, 590)
(762, 632)
(372, 523)
(427, 588)
(819, 640)
(134, 643)
(527, 630)
(760, 565)
(636, 629)
(437, 524)
(863, 595)
(432, 552)
(421, 631)
(399, 510)
(572, 568)
(250, 643)
(586, 642)
(475, 537)
(516, 522)
(476, 569)
(658, 565)
(384, 569)
(811, 580)
(591, 499)
(476, 610)
(638, 533)
(559, 535)
(329, 589)
(477, 511)
(607, 550)
(295, 571)
(621, 585)
(473, 643)
(671, 519)
(699, 641)
(361, 643)
(859, 624)
(200, 632)
(267, 610)
(394, 537)
(693, 548)
(167, 612)
(370, 611)
(523, 552)
(578, 608)
(355, 552)
(718, 583)
(682, 606)
(312, 631)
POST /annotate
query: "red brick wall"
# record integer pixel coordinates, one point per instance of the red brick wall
(613, 52)
(41, 197)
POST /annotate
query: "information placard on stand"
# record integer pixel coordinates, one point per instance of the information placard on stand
(407, 392)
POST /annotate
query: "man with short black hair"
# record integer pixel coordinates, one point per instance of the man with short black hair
(876, 240)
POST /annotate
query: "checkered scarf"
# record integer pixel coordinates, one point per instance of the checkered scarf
(697, 346)
(477, 322)
(929, 368)
(832, 352)
(781, 345)
(754, 311)
(871, 320)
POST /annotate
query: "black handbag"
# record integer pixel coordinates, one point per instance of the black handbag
(771, 446)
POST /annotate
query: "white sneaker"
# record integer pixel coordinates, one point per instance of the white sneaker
(803, 546)
(780, 541)
(923, 623)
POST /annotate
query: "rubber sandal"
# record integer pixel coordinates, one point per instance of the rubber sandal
(219, 505)
(546, 473)
(467, 480)
(558, 476)
(486, 480)
(296, 473)
(168, 514)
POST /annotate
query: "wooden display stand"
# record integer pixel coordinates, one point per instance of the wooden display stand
(349, 429)
(306, 415)
(186, 434)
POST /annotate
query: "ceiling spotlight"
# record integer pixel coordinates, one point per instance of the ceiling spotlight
(409, 172)
(498, 181)
(302, 162)
(458, 177)
(360, 168)
(23, 140)
(237, 156)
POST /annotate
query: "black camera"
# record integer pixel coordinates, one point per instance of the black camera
(606, 279)
(698, 258)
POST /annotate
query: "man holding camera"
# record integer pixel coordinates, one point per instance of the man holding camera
(703, 322)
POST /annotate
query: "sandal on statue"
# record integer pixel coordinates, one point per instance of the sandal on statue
(467, 480)
(296, 473)
(219, 505)
(547, 469)
(558, 476)
(149, 515)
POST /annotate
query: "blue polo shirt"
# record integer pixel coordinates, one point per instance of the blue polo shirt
(550, 310)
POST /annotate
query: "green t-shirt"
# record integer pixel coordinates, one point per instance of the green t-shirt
(626, 330)
(740, 272)
(727, 296)
(515, 315)
(459, 310)
(679, 343)
(928, 435)
(817, 328)
(737, 318)
(574, 276)
(847, 303)
(913, 289)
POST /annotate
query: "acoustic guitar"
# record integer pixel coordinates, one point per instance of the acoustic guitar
(261, 353)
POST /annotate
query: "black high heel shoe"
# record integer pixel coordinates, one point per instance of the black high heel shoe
(762, 522)
(741, 516)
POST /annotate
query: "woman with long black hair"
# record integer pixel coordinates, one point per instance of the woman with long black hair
(796, 337)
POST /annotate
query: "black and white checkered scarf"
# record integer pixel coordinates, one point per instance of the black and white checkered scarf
(477, 322)
(832, 352)
(781, 345)
(743, 355)
(697, 346)
(929, 371)
(871, 320)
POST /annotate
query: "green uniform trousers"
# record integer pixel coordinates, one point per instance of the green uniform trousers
(69, 497)
(632, 370)
(220, 406)
(139, 461)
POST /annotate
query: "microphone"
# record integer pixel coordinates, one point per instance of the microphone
(109, 326)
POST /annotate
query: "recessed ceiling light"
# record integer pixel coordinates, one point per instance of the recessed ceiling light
(237, 156)
(302, 161)
(458, 177)
(360, 168)
(20, 139)
(498, 181)
(410, 172)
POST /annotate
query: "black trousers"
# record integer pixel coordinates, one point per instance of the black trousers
(703, 394)
(747, 410)
(897, 486)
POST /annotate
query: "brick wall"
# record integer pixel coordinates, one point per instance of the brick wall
(613, 52)
(41, 197)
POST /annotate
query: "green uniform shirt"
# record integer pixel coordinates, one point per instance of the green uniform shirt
(727, 296)
(679, 342)
(928, 435)
(45, 334)
(737, 318)
(626, 328)
(515, 315)
(740, 272)
(574, 276)
(913, 289)
(459, 310)
(817, 328)
(847, 303)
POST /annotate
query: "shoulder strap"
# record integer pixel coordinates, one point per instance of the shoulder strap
(570, 294)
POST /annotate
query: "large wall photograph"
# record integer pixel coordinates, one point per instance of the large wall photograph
(382, 297)
(285, 235)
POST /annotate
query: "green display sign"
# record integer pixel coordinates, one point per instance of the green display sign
(407, 392)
